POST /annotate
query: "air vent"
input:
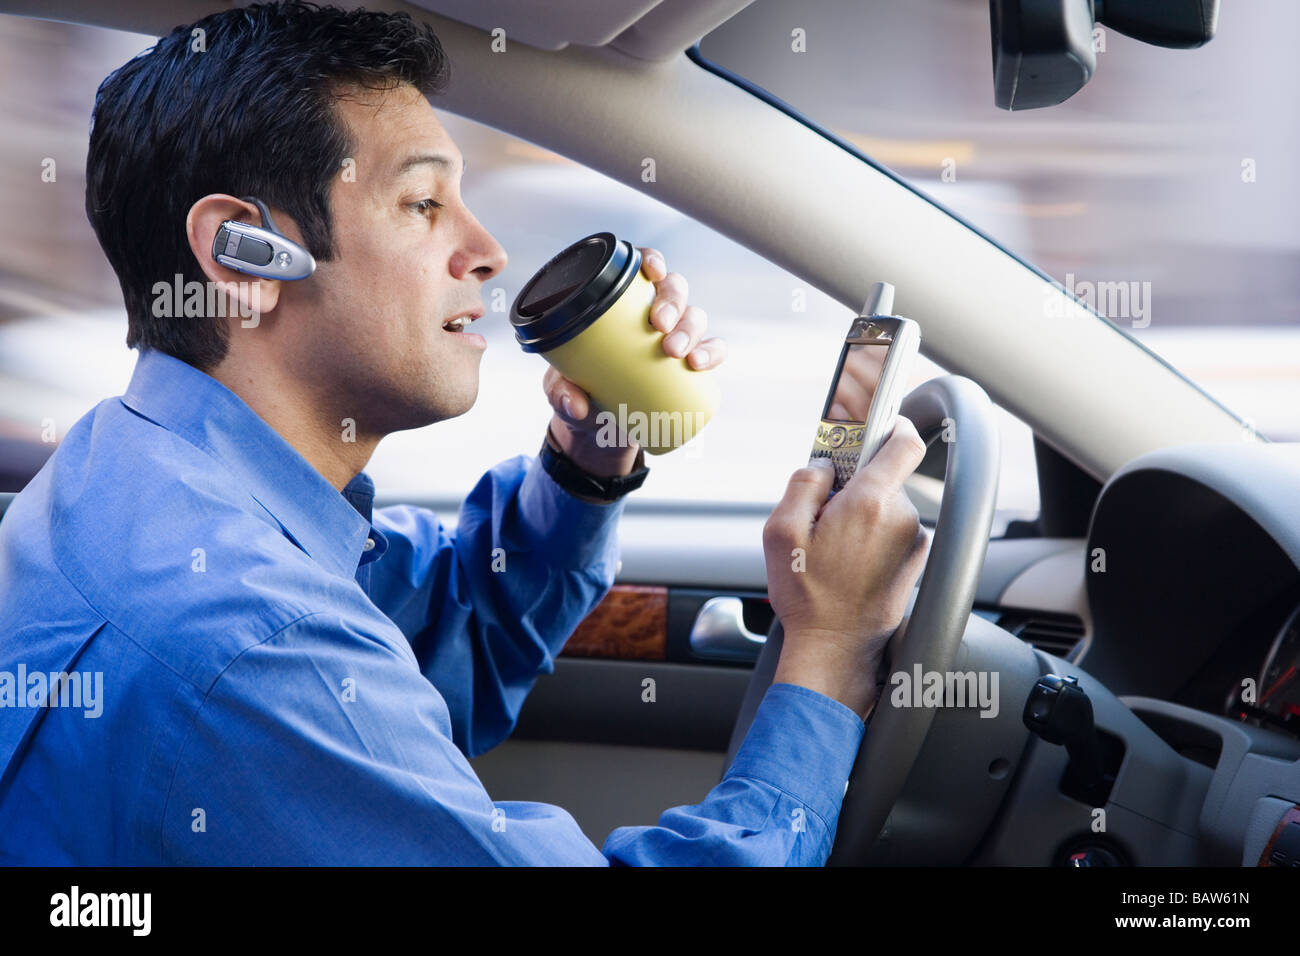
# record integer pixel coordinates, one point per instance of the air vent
(1056, 634)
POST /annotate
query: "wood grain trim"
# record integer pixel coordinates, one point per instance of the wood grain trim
(1291, 816)
(631, 623)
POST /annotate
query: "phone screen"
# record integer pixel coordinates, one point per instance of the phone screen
(856, 383)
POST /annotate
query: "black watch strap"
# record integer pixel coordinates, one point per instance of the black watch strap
(564, 471)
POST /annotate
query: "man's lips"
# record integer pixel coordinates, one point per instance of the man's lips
(461, 320)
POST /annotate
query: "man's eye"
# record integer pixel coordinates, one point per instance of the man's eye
(426, 206)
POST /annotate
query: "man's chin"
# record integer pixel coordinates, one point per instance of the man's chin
(446, 407)
(462, 408)
(402, 414)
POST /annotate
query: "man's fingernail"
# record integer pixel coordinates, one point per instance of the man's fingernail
(821, 463)
(701, 357)
(677, 342)
(666, 315)
(567, 406)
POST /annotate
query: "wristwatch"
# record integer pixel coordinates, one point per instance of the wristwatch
(566, 473)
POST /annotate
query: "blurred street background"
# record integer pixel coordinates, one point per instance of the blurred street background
(1137, 179)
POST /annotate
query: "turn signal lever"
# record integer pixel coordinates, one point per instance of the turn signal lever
(1059, 711)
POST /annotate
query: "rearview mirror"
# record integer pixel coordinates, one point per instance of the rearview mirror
(1043, 49)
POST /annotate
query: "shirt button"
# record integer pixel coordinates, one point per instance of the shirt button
(369, 545)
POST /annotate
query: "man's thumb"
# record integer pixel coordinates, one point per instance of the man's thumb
(806, 492)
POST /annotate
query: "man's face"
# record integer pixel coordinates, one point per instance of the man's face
(409, 256)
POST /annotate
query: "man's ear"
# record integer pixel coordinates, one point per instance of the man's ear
(256, 295)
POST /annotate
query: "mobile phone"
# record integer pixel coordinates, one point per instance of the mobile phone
(868, 386)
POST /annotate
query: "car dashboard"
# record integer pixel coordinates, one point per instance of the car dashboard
(1193, 581)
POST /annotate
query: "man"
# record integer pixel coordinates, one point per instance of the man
(266, 670)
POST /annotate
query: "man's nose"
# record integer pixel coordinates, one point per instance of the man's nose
(480, 254)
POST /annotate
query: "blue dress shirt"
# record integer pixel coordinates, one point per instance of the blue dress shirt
(252, 668)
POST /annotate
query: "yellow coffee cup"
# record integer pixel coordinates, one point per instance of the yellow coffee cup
(587, 312)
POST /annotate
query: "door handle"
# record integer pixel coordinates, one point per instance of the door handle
(719, 632)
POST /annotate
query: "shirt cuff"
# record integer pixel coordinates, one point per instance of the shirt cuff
(577, 534)
(803, 743)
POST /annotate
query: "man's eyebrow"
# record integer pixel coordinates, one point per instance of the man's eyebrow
(434, 159)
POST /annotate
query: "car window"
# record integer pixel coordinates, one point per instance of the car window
(784, 336)
(1162, 194)
(62, 346)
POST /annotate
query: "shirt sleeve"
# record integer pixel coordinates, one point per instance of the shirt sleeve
(487, 608)
(778, 803)
(324, 745)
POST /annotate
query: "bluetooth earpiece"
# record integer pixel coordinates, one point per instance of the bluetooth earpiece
(261, 250)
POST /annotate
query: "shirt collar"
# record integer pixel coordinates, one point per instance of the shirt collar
(328, 526)
(360, 492)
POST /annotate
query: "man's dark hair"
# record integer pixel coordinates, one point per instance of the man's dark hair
(247, 108)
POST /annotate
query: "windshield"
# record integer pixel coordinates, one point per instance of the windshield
(1162, 194)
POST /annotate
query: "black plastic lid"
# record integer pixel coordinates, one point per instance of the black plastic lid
(572, 291)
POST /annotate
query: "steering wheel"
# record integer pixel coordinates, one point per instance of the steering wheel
(958, 411)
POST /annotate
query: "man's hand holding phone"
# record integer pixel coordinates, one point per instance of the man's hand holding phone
(839, 572)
